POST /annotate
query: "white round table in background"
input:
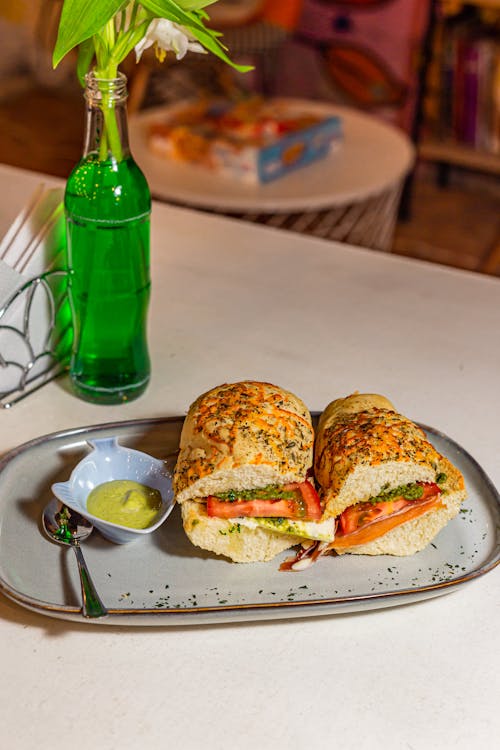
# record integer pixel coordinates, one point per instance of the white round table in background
(352, 195)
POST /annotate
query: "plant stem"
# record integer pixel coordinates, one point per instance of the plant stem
(108, 69)
(110, 141)
(133, 15)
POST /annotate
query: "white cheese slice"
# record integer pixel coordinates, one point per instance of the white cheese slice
(322, 530)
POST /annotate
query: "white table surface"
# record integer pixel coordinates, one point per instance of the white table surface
(230, 301)
(372, 158)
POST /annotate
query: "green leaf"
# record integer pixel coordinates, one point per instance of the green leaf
(188, 4)
(173, 11)
(81, 19)
(85, 55)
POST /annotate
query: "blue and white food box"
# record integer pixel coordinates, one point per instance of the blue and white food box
(280, 157)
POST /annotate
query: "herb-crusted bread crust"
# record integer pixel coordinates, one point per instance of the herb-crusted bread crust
(243, 436)
(364, 447)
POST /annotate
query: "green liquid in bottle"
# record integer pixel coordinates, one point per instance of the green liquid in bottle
(108, 206)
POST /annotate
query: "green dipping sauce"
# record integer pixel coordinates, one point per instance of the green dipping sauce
(125, 502)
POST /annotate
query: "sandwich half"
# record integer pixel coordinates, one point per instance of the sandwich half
(241, 477)
(388, 488)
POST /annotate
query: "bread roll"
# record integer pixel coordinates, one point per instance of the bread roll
(240, 436)
(365, 448)
(243, 436)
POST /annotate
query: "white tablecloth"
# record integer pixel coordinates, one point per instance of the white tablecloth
(230, 301)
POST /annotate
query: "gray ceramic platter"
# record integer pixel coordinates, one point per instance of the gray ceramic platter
(162, 579)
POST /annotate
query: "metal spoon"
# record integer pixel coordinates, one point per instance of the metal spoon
(65, 526)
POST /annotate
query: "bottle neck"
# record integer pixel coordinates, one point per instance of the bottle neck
(106, 128)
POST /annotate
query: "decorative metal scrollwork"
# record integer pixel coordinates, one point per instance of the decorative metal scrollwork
(35, 336)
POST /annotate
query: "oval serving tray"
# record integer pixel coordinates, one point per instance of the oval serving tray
(164, 580)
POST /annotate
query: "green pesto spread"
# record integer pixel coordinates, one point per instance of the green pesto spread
(271, 492)
(409, 491)
(125, 502)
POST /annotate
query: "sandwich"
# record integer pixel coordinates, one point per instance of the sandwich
(388, 489)
(242, 474)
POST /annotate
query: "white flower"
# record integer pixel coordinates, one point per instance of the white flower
(167, 36)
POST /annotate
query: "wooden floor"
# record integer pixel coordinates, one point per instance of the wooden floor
(457, 226)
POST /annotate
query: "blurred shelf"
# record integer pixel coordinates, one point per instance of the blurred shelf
(451, 6)
(449, 152)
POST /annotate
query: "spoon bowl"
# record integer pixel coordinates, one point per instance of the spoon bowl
(65, 526)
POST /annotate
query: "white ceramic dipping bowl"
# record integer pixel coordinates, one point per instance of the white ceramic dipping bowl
(109, 461)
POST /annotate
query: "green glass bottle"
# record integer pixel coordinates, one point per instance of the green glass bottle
(108, 207)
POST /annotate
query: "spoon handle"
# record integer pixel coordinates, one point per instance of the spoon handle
(91, 603)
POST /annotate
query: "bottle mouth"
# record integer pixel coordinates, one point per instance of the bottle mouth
(111, 89)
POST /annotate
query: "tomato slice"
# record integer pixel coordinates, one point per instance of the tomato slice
(365, 522)
(304, 505)
(363, 514)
